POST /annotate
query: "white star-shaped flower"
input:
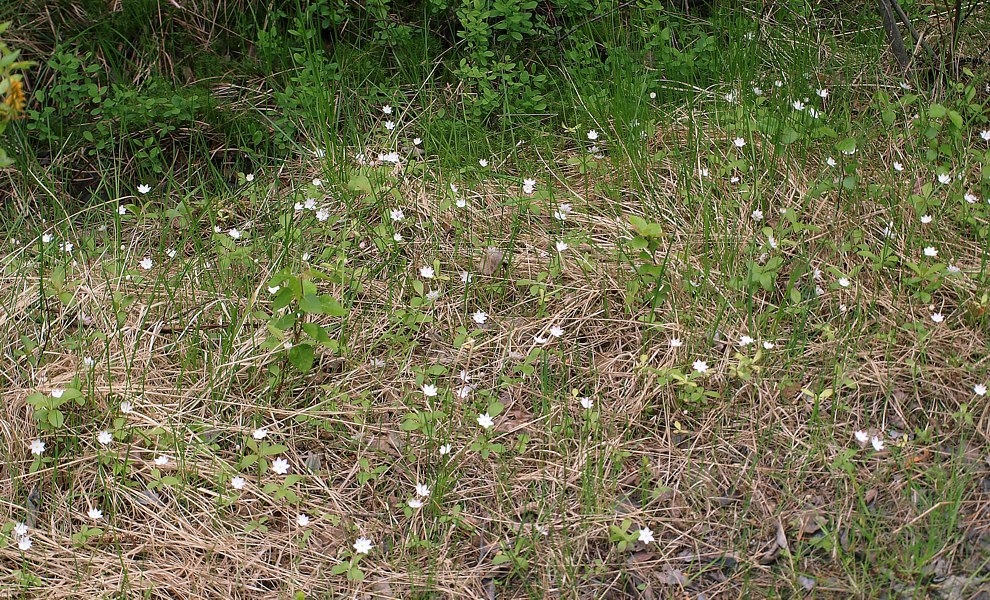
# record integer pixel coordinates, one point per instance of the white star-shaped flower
(646, 535)
(280, 466)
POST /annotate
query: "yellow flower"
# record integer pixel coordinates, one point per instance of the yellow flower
(15, 97)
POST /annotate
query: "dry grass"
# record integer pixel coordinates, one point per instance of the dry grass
(747, 492)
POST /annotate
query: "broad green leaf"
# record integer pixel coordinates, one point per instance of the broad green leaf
(301, 357)
(56, 418)
(273, 450)
(360, 183)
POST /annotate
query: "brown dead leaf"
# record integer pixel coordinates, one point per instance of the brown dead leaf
(491, 260)
(808, 523)
(515, 419)
(671, 576)
(770, 555)
(782, 537)
(391, 444)
(380, 590)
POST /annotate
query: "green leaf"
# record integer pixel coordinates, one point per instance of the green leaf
(411, 423)
(273, 449)
(283, 298)
(318, 333)
(495, 408)
(301, 357)
(56, 418)
(340, 569)
(644, 227)
(846, 146)
(332, 307)
(326, 305)
(360, 183)
(285, 322)
(789, 136)
(70, 394)
(310, 303)
(956, 119)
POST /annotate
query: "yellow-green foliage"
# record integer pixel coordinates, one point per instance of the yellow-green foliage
(11, 89)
